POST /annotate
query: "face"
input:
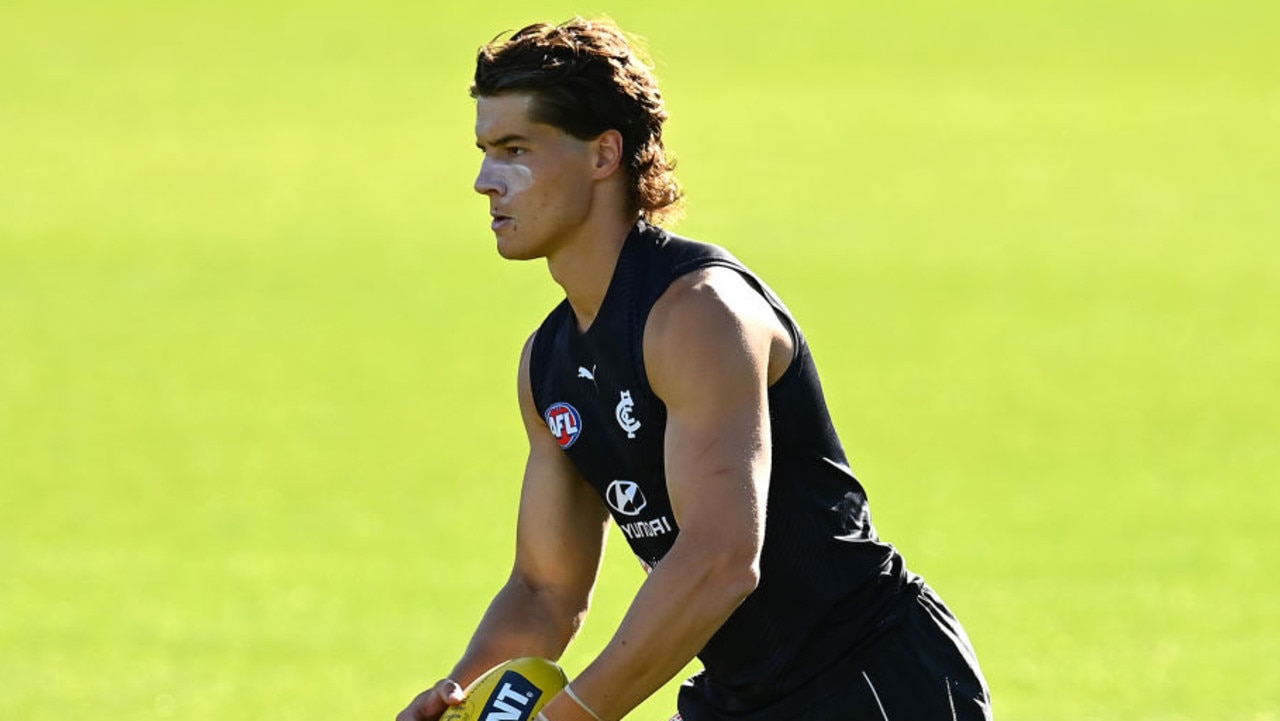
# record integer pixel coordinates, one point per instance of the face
(538, 179)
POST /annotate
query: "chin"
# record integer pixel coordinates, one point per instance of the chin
(516, 251)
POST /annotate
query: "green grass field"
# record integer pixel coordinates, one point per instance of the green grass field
(258, 442)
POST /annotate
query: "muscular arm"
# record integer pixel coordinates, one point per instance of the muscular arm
(712, 346)
(560, 537)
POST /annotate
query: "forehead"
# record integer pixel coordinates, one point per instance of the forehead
(499, 115)
(501, 119)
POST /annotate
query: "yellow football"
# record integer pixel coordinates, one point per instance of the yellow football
(512, 691)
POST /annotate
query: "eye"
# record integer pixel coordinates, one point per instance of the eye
(515, 151)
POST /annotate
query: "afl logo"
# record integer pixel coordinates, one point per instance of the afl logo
(565, 423)
(625, 497)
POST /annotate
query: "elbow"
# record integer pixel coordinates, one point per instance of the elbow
(735, 572)
(723, 562)
(741, 582)
(554, 607)
(577, 619)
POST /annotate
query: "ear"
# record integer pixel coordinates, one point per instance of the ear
(608, 154)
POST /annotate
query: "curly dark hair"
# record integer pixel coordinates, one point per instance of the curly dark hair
(586, 77)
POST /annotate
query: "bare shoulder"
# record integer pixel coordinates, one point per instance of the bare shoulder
(709, 323)
(525, 352)
(715, 295)
(524, 387)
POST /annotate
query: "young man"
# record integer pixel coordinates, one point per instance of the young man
(674, 391)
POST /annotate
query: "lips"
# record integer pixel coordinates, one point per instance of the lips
(500, 220)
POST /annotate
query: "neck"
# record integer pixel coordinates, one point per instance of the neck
(584, 269)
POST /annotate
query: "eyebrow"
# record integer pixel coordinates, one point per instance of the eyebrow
(504, 140)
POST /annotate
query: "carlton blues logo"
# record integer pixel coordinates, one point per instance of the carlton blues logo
(565, 423)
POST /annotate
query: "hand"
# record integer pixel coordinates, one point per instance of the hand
(430, 704)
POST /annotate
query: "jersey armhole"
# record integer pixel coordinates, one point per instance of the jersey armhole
(538, 352)
(535, 367)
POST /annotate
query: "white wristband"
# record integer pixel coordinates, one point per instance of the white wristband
(570, 693)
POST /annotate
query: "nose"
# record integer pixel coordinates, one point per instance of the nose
(489, 181)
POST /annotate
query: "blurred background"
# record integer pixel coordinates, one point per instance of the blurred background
(259, 449)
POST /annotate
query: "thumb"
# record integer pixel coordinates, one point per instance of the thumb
(451, 692)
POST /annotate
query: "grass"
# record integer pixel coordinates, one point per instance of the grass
(258, 447)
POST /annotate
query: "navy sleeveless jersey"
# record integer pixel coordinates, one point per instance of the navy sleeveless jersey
(826, 581)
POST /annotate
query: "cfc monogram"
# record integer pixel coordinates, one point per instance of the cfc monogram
(623, 413)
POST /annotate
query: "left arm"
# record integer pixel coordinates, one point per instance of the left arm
(712, 345)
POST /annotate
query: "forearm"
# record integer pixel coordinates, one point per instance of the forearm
(522, 620)
(680, 606)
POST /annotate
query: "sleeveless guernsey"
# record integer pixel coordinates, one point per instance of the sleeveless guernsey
(827, 583)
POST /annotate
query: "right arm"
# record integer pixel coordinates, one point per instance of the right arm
(560, 536)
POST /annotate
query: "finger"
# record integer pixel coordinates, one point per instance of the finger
(450, 692)
(426, 706)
